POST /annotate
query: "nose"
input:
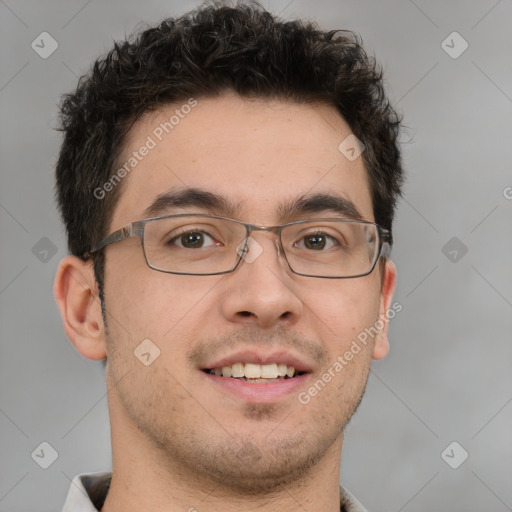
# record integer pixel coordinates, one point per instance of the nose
(262, 290)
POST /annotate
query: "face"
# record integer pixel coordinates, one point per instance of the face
(260, 157)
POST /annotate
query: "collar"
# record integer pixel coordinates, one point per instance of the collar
(89, 491)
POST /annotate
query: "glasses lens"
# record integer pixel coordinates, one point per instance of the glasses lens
(331, 248)
(193, 244)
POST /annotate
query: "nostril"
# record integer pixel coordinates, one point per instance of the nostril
(245, 313)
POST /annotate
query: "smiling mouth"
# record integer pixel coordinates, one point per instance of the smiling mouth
(255, 373)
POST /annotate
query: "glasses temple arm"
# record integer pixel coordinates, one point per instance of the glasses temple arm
(133, 229)
(387, 242)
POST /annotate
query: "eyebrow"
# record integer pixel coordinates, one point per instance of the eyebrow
(191, 198)
(217, 204)
(319, 203)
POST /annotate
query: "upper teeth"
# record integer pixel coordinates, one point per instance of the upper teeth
(255, 371)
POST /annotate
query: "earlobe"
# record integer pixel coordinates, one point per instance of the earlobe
(381, 344)
(76, 292)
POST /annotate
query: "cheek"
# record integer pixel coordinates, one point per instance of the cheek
(344, 308)
(144, 303)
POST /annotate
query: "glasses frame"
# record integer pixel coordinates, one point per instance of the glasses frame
(137, 229)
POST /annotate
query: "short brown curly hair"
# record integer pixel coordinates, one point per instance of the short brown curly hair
(215, 48)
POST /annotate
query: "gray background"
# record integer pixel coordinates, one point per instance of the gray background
(448, 376)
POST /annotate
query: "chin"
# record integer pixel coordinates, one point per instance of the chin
(260, 468)
(245, 463)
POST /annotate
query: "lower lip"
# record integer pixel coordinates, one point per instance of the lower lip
(259, 392)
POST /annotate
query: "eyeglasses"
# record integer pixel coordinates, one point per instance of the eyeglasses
(196, 244)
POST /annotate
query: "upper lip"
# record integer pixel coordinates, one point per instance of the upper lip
(259, 357)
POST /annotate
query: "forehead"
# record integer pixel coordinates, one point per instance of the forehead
(259, 154)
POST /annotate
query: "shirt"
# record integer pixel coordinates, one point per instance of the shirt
(88, 493)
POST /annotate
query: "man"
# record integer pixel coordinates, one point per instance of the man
(228, 183)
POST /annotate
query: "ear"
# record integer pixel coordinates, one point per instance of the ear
(381, 343)
(77, 295)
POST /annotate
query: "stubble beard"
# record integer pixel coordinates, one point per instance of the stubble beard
(225, 461)
(233, 463)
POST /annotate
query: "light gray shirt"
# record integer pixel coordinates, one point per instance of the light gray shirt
(88, 493)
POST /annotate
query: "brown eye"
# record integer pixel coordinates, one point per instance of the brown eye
(193, 240)
(315, 242)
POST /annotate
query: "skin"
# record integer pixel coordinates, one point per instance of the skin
(179, 443)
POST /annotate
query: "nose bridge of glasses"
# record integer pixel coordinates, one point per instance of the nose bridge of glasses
(271, 230)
